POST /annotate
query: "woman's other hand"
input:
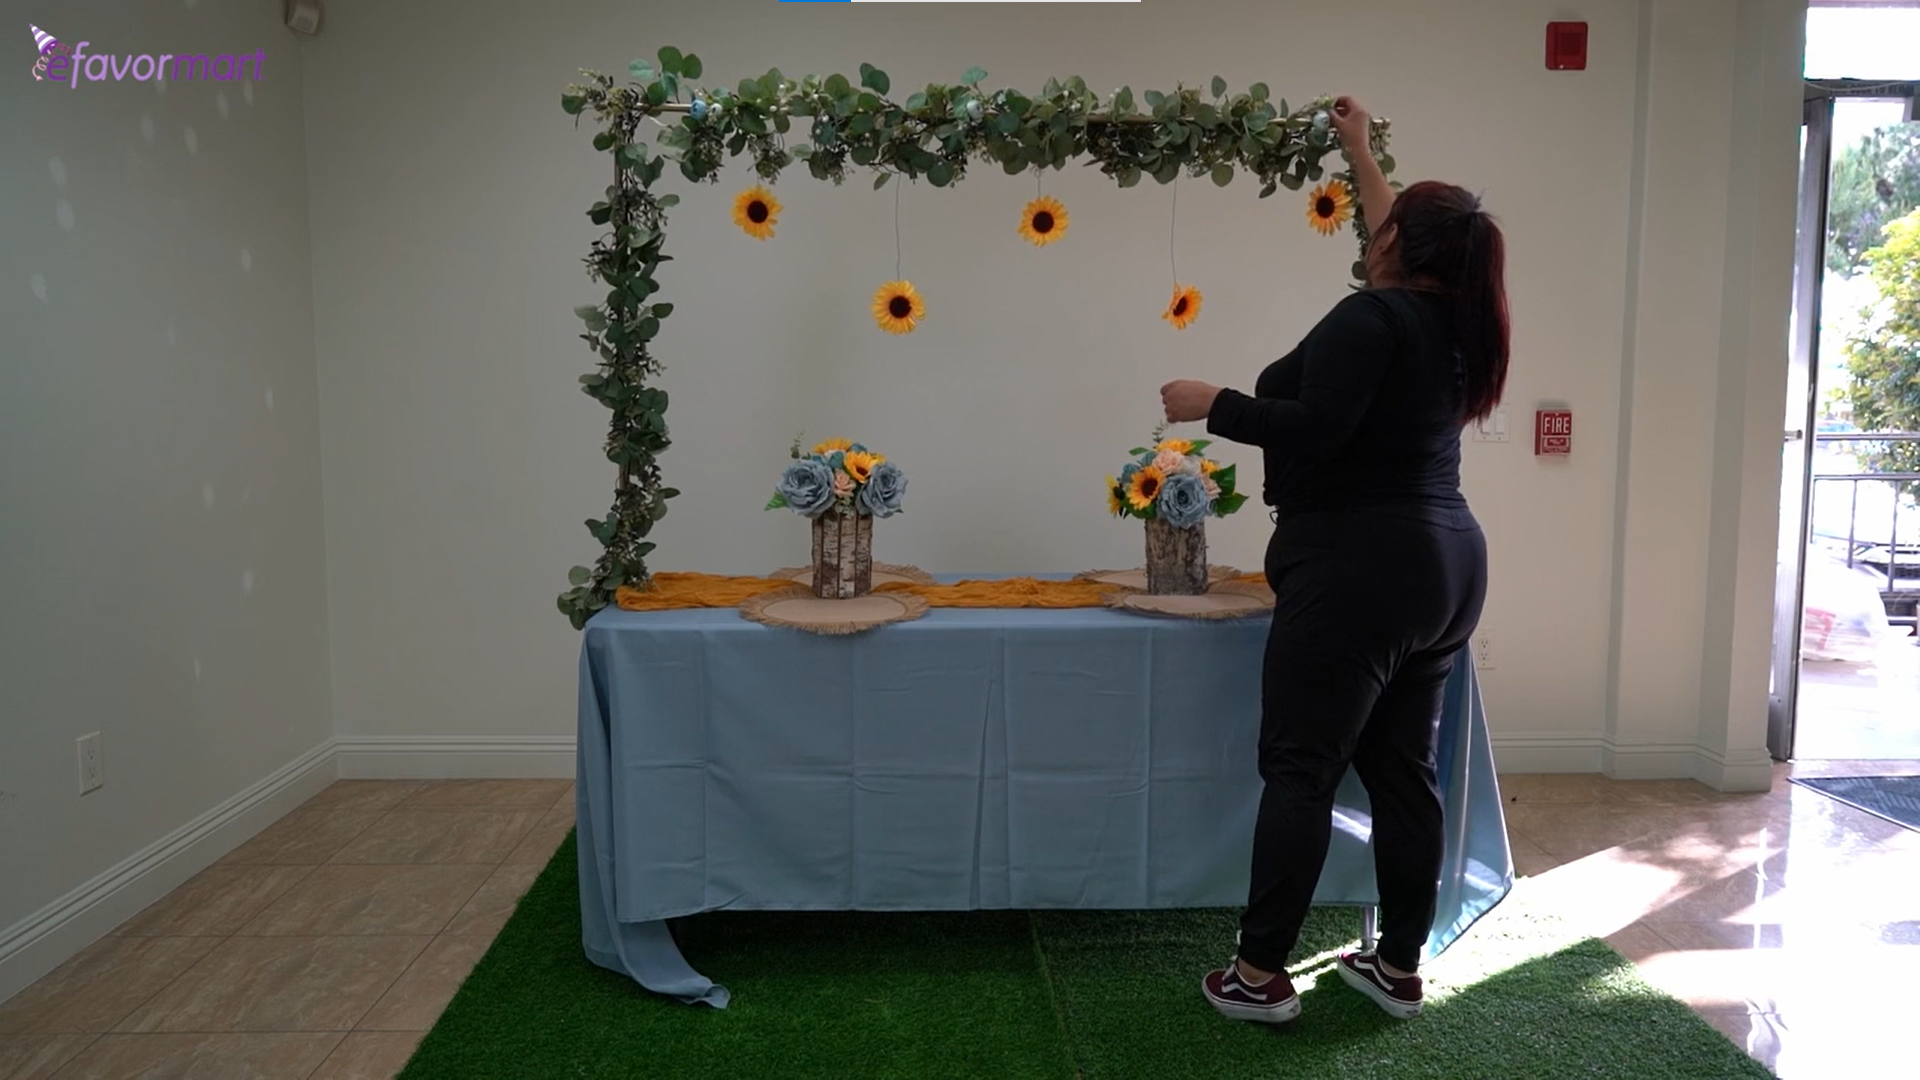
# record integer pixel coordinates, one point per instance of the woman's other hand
(1188, 400)
(1354, 125)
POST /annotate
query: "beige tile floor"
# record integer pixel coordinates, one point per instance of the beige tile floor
(323, 948)
(326, 946)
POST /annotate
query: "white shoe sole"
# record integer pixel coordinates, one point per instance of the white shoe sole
(1259, 1014)
(1380, 997)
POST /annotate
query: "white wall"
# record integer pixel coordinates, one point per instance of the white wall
(447, 211)
(160, 545)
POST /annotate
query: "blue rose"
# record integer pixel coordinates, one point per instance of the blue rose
(1183, 500)
(807, 486)
(886, 486)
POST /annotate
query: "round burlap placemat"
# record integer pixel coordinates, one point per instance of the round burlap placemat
(883, 574)
(798, 609)
(1136, 579)
(1226, 600)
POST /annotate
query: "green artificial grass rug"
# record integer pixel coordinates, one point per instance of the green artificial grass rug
(1055, 995)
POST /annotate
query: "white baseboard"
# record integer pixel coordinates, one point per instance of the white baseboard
(444, 757)
(1735, 770)
(1546, 753)
(1750, 770)
(47, 938)
(1648, 761)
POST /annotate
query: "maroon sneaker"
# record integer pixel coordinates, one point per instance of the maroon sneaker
(1399, 997)
(1271, 1002)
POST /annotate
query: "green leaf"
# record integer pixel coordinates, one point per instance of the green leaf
(645, 548)
(579, 575)
(1360, 270)
(940, 174)
(573, 104)
(670, 59)
(874, 79)
(669, 493)
(657, 94)
(1386, 163)
(973, 76)
(1136, 451)
(1200, 445)
(778, 502)
(1223, 174)
(916, 102)
(1123, 102)
(1293, 181)
(1258, 91)
(837, 86)
(603, 142)
(1155, 99)
(668, 201)
(648, 327)
(690, 66)
(1219, 86)
(880, 181)
(661, 311)
(641, 70)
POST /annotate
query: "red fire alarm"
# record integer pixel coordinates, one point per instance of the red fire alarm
(1553, 433)
(1567, 46)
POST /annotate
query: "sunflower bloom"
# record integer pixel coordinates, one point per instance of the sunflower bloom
(860, 464)
(1208, 467)
(897, 307)
(1144, 488)
(1116, 499)
(1329, 207)
(756, 211)
(1178, 446)
(1183, 308)
(831, 445)
(1043, 221)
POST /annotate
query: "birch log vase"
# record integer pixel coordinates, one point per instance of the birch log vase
(843, 555)
(1176, 559)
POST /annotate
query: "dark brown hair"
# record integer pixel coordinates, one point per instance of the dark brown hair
(1444, 240)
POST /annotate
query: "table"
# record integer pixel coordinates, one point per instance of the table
(972, 759)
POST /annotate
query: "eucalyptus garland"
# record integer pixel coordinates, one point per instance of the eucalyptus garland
(834, 125)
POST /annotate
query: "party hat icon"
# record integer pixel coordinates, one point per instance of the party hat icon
(44, 46)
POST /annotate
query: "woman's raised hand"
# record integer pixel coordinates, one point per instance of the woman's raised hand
(1354, 125)
(1187, 400)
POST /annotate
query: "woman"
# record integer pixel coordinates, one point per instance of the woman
(1378, 565)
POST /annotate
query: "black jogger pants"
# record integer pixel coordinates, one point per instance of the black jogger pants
(1372, 607)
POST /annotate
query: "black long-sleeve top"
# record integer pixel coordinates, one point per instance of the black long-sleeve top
(1367, 410)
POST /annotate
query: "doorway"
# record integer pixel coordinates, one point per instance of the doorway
(1846, 671)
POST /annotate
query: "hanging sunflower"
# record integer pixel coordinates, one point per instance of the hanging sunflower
(756, 211)
(1116, 498)
(1144, 487)
(1043, 221)
(897, 307)
(1183, 308)
(1329, 207)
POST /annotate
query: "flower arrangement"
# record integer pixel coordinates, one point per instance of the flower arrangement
(841, 487)
(1174, 482)
(839, 476)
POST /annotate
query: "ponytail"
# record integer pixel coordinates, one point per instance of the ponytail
(1444, 239)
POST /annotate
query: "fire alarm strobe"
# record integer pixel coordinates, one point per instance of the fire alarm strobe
(1567, 46)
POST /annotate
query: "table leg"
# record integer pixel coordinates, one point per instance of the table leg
(1369, 927)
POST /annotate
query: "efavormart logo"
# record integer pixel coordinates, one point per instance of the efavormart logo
(58, 63)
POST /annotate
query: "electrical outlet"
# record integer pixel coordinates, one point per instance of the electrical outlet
(93, 772)
(1483, 652)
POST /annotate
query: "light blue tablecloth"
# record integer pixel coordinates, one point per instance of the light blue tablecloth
(971, 759)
